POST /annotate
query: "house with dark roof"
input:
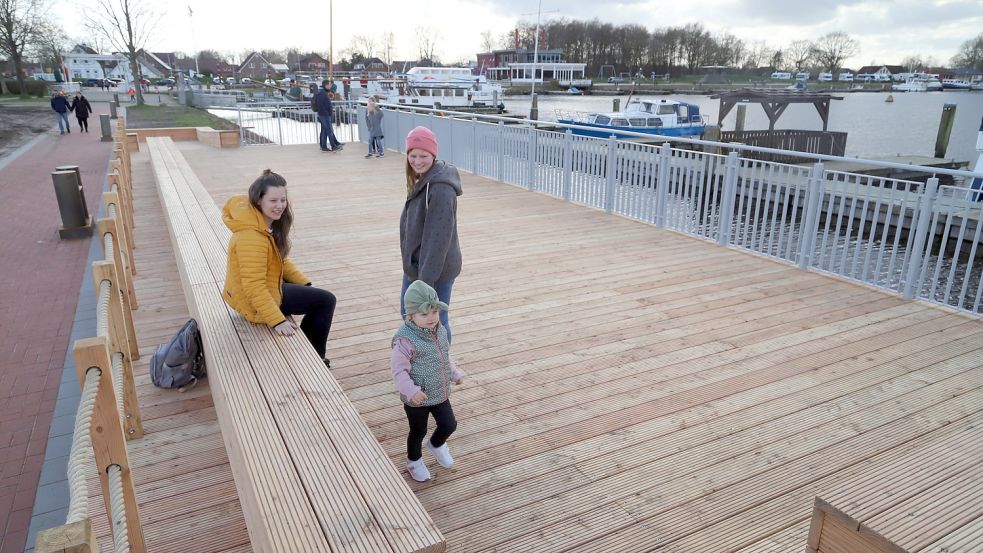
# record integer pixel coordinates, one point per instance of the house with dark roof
(255, 66)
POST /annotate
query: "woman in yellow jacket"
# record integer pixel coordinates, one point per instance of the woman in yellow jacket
(261, 283)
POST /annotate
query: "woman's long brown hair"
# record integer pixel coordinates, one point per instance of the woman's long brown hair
(280, 227)
(412, 176)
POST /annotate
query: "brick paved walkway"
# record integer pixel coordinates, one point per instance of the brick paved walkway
(41, 275)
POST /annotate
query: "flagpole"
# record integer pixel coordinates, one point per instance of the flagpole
(331, 41)
(193, 46)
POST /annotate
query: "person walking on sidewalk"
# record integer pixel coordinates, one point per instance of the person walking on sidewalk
(82, 109)
(59, 104)
(323, 108)
(261, 282)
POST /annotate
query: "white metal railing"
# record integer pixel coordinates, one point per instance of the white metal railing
(283, 123)
(912, 237)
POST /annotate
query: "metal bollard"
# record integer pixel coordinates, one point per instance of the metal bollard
(115, 101)
(75, 222)
(107, 133)
(112, 111)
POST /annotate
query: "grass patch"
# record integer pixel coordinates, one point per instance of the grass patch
(154, 117)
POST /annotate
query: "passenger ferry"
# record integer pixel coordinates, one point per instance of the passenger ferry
(454, 88)
(657, 117)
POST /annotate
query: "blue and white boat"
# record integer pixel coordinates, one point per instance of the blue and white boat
(658, 117)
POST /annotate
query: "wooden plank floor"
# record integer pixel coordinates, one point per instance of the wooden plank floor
(628, 388)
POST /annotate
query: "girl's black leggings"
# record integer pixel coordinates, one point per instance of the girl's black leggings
(417, 417)
(317, 307)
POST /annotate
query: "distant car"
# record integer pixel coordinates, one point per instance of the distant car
(615, 80)
(165, 82)
(270, 82)
(246, 80)
(216, 80)
(92, 82)
(230, 80)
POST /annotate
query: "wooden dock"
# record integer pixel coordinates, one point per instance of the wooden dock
(628, 388)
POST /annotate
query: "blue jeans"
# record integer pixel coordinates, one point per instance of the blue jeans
(327, 133)
(443, 289)
(375, 145)
(62, 119)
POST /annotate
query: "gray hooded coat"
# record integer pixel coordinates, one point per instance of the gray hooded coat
(428, 233)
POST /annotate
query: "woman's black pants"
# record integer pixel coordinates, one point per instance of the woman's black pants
(317, 307)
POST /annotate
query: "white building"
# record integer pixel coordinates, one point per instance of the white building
(85, 63)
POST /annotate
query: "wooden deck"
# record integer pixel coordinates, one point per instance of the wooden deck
(628, 388)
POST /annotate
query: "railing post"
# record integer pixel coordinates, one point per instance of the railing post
(733, 166)
(531, 165)
(111, 201)
(662, 184)
(108, 442)
(501, 152)
(119, 343)
(74, 537)
(279, 125)
(814, 202)
(109, 227)
(913, 278)
(242, 134)
(474, 145)
(567, 163)
(610, 173)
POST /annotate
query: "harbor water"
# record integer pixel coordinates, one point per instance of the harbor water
(906, 126)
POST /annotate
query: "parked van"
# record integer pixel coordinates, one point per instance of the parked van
(802, 76)
(781, 75)
(846, 77)
(825, 77)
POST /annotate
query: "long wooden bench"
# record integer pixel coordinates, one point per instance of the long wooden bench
(928, 500)
(308, 471)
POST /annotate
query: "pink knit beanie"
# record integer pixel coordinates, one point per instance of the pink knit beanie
(422, 138)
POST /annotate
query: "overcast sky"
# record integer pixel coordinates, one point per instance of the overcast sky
(887, 30)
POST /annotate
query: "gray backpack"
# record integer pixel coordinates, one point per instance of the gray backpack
(180, 362)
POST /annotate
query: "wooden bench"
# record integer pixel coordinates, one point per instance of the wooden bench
(309, 473)
(928, 500)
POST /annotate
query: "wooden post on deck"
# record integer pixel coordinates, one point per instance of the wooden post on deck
(741, 116)
(945, 129)
(76, 537)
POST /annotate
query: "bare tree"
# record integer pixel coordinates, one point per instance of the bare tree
(487, 41)
(21, 22)
(799, 52)
(388, 47)
(911, 63)
(426, 43)
(833, 48)
(970, 54)
(127, 25)
(51, 43)
(363, 45)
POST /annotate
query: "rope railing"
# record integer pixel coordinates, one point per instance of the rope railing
(108, 411)
(80, 456)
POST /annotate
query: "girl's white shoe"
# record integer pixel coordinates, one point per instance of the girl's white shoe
(442, 454)
(418, 470)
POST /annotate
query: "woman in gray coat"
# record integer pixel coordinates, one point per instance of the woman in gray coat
(373, 119)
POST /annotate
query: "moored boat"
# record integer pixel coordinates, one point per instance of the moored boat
(454, 88)
(657, 117)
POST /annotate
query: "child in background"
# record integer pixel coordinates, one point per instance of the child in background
(373, 119)
(422, 369)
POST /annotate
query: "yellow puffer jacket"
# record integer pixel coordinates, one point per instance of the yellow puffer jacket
(255, 275)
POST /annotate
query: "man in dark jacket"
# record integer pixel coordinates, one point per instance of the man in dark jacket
(59, 104)
(322, 105)
(82, 109)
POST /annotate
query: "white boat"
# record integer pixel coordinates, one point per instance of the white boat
(453, 88)
(956, 84)
(911, 85)
(658, 117)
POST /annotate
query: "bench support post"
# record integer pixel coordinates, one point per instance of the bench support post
(109, 227)
(75, 537)
(112, 199)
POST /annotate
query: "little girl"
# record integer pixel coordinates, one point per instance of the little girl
(373, 119)
(422, 369)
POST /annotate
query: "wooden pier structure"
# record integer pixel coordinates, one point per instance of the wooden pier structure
(628, 388)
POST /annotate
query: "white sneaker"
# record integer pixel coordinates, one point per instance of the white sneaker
(442, 454)
(418, 470)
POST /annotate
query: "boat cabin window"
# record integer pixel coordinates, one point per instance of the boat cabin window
(619, 122)
(459, 92)
(647, 107)
(666, 110)
(683, 112)
(655, 122)
(602, 120)
(637, 121)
